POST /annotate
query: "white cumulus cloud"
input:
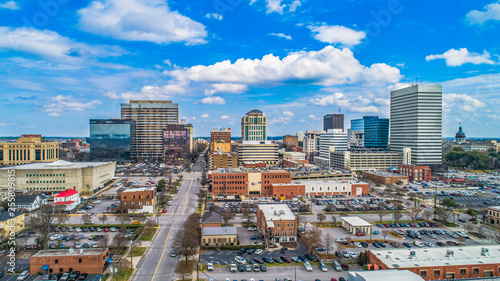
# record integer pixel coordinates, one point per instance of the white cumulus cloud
(337, 34)
(205, 116)
(225, 117)
(140, 20)
(51, 45)
(462, 56)
(150, 92)
(462, 101)
(62, 103)
(11, 5)
(288, 113)
(337, 99)
(229, 88)
(329, 66)
(280, 6)
(490, 12)
(282, 35)
(213, 100)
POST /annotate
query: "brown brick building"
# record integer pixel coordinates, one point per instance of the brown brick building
(247, 183)
(292, 141)
(386, 178)
(277, 223)
(218, 160)
(139, 199)
(287, 190)
(440, 263)
(211, 219)
(221, 135)
(416, 173)
(494, 215)
(90, 261)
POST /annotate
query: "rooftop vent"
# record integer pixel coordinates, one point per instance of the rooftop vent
(449, 253)
(484, 251)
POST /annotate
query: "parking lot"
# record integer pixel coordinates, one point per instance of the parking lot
(470, 201)
(274, 272)
(227, 257)
(91, 277)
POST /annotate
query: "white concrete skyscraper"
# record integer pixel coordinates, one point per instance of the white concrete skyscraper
(416, 123)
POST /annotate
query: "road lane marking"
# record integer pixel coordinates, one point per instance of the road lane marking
(185, 206)
(164, 248)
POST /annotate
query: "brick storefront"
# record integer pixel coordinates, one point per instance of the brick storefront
(90, 261)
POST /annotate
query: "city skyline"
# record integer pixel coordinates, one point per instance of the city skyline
(296, 61)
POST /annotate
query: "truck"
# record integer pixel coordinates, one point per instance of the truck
(472, 187)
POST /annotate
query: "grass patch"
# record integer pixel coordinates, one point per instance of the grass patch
(450, 224)
(326, 224)
(149, 234)
(123, 275)
(305, 214)
(386, 222)
(138, 251)
(105, 277)
(184, 268)
(395, 235)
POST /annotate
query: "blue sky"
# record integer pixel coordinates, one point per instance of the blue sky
(63, 62)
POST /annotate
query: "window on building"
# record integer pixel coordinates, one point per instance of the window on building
(475, 270)
(437, 273)
(488, 273)
(463, 271)
(56, 261)
(423, 273)
(79, 260)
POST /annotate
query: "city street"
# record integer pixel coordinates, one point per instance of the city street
(156, 263)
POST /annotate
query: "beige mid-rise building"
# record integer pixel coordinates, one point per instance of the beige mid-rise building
(151, 118)
(28, 149)
(254, 126)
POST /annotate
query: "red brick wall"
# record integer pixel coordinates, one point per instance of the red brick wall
(284, 225)
(364, 186)
(235, 184)
(288, 191)
(126, 199)
(413, 171)
(84, 263)
(268, 178)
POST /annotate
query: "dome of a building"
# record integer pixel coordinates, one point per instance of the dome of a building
(254, 111)
(460, 135)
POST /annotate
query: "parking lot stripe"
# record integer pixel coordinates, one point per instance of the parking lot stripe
(164, 248)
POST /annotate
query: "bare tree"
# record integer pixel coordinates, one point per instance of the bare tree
(246, 214)
(443, 214)
(227, 216)
(311, 238)
(104, 240)
(334, 220)
(120, 241)
(381, 211)
(396, 215)
(123, 218)
(414, 213)
(62, 218)
(384, 233)
(321, 217)
(328, 242)
(468, 227)
(103, 218)
(428, 214)
(41, 221)
(187, 239)
(86, 218)
(140, 217)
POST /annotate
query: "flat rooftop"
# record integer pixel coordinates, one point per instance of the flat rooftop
(276, 212)
(225, 230)
(385, 275)
(387, 174)
(430, 257)
(57, 165)
(319, 182)
(138, 189)
(68, 252)
(355, 221)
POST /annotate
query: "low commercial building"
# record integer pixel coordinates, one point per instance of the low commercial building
(246, 182)
(288, 163)
(69, 198)
(386, 178)
(494, 215)
(138, 200)
(440, 263)
(287, 190)
(219, 236)
(51, 178)
(9, 223)
(91, 261)
(356, 225)
(334, 187)
(383, 275)
(277, 223)
(323, 175)
(217, 160)
(416, 173)
(28, 149)
(293, 155)
(211, 219)
(30, 203)
(258, 151)
(365, 161)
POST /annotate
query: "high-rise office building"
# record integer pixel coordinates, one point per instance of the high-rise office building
(311, 144)
(332, 140)
(254, 126)
(109, 138)
(416, 123)
(333, 121)
(373, 130)
(151, 118)
(176, 145)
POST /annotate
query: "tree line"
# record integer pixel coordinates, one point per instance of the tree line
(475, 160)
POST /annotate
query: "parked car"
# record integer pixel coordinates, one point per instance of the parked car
(308, 266)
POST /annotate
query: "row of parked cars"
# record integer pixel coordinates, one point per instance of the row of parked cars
(404, 224)
(417, 234)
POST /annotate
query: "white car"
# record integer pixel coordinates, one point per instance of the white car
(23, 276)
(353, 255)
(358, 245)
(339, 240)
(308, 266)
(210, 266)
(258, 251)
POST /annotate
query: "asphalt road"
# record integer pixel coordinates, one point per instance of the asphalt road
(156, 264)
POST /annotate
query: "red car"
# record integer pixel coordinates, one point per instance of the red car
(423, 206)
(333, 279)
(286, 259)
(164, 210)
(106, 229)
(387, 225)
(344, 266)
(412, 224)
(360, 234)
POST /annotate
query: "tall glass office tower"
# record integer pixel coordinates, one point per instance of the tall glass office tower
(375, 131)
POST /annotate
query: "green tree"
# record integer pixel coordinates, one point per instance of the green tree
(449, 203)
(472, 213)
(161, 185)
